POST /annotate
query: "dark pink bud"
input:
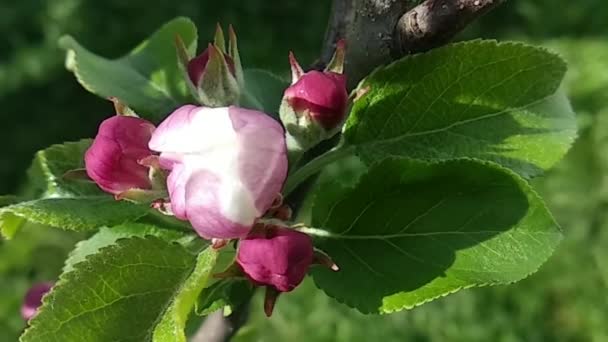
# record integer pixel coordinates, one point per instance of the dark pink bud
(322, 95)
(113, 160)
(33, 299)
(197, 65)
(277, 257)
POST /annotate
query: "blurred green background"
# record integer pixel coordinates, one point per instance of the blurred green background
(567, 300)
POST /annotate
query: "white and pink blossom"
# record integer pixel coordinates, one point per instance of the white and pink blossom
(227, 166)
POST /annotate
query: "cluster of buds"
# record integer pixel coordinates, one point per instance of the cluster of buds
(314, 106)
(226, 167)
(221, 167)
(215, 76)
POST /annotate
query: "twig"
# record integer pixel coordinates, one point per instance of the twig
(435, 22)
(378, 31)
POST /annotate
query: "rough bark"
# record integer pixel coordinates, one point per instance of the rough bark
(378, 31)
(435, 22)
(368, 27)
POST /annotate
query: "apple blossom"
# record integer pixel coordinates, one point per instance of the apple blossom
(227, 165)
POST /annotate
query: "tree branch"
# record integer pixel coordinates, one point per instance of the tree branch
(435, 22)
(367, 26)
(378, 31)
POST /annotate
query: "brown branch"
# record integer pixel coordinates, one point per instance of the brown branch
(378, 31)
(435, 22)
(367, 26)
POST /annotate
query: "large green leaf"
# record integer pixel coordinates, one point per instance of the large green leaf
(107, 236)
(76, 213)
(482, 99)
(124, 292)
(171, 326)
(148, 79)
(410, 232)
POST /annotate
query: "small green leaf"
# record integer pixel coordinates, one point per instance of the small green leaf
(263, 91)
(481, 99)
(46, 174)
(79, 214)
(410, 232)
(120, 293)
(108, 236)
(60, 202)
(225, 292)
(148, 79)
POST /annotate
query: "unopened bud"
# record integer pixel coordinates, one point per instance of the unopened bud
(279, 257)
(314, 106)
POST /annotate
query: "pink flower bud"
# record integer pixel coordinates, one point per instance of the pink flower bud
(33, 300)
(319, 96)
(197, 65)
(112, 159)
(228, 165)
(279, 257)
(322, 95)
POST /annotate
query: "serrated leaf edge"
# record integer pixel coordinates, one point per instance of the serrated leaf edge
(520, 180)
(62, 280)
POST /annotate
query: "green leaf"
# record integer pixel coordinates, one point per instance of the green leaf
(8, 199)
(410, 232)
(225, 292)
(171, 327)
(263, 91)
(108, 236)
(64, 203)
(147, 79)
(121, 293)
(78, 214)
(481, 99)
(45, 175)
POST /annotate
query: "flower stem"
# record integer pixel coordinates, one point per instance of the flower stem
(314, 166)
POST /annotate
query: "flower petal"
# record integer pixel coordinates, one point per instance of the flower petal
(219, 207)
